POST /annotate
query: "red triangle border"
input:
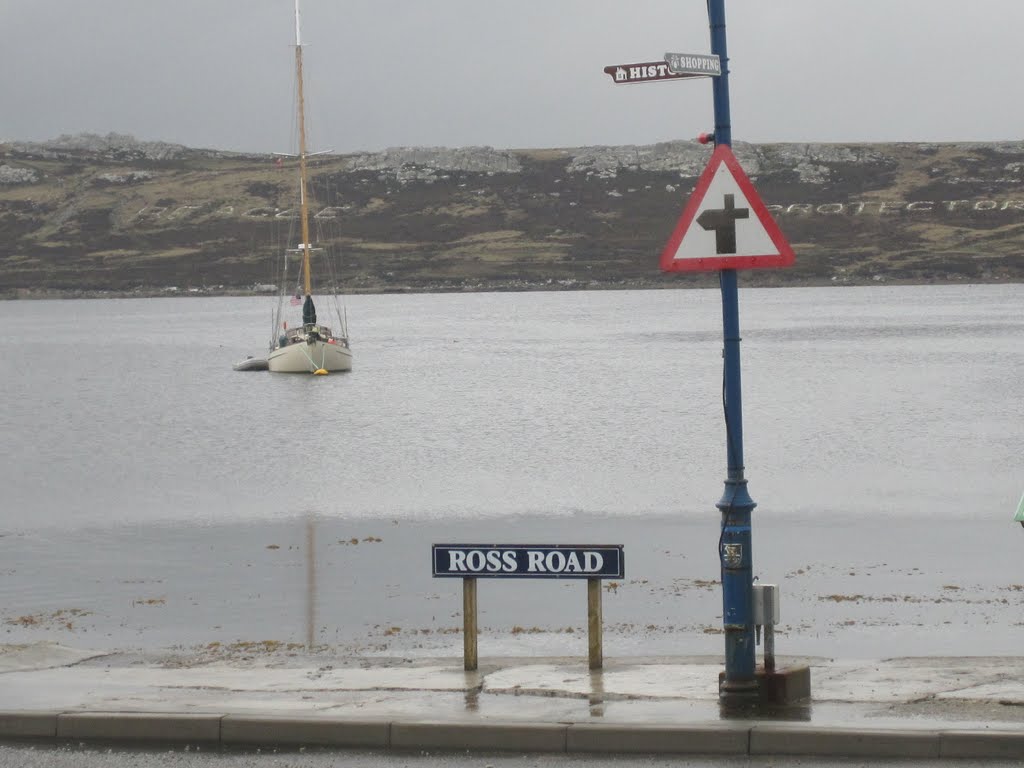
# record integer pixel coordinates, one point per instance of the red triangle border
(784, 258)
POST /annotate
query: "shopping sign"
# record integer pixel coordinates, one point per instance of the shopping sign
(725, 225)
(676, 66)
(694, 64)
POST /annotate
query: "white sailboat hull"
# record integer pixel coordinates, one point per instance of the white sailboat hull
(307, 357)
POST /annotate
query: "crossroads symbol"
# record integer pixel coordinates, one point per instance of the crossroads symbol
(723, 222)
(724, 195)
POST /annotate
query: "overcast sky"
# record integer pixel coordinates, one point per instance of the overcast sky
(507, 73)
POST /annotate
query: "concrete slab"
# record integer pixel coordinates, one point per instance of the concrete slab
(139, 687)
(19, 725)
(866, 742)
(978, 744)
(150, 727)
(654, 739)
(894, 680)
(891, 707)
(14, 658)
(238, 730)
(519, 737)
(228, 678)
(1009, 692)
(677, 681)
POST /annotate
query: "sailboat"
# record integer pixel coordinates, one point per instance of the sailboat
(307, 346)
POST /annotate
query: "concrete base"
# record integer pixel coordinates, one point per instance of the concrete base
(781, 686)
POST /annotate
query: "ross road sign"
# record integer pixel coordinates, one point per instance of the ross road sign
(647, 72)
(725, 225)
(531, 561)
(694, 64)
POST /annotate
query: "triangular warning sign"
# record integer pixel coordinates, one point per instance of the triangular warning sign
(725, 225)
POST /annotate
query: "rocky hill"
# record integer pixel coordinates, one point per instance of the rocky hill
(110, 214)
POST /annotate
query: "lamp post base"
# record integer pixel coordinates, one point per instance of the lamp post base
(790, 685)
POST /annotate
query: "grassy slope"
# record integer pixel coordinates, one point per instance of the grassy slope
(214, 219)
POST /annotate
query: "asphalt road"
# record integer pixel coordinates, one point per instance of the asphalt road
(32, 756)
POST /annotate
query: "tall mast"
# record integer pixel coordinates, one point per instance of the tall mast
(303, 204)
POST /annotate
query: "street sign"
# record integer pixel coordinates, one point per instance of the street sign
(694, 64)
(531, 561)
(725, 225)
(647, 72)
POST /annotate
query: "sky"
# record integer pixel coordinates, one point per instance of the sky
(219, 74)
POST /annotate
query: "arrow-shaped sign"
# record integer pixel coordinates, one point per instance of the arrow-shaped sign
(646, 72)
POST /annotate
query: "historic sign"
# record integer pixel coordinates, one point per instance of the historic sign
(694, 64)
(532, 561)
(647, 72)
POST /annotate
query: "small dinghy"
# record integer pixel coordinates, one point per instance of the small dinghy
(252, 364)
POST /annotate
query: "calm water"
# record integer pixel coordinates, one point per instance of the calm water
(883, 436)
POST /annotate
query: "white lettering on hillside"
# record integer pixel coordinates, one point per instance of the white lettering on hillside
(891, 207)
(850, 208)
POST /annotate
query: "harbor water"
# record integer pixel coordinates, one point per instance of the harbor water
(154, 498)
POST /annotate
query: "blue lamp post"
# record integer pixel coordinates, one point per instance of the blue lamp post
(736, 504)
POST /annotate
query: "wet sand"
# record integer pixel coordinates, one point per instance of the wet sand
(855, 589)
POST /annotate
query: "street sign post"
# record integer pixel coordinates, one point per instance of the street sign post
(724, 227)
(470, 562)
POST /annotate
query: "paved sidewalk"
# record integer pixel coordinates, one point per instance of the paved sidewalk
(906, 707)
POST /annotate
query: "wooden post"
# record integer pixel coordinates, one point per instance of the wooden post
(594, 622)
(469, 625)
(310, 583)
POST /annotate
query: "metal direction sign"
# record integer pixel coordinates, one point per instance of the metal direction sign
(694, 64)
(529, 561)
(725, 224)
(647, 72)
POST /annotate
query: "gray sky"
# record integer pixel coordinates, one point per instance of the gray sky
(507, 73)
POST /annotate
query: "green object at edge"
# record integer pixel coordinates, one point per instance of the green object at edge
(1019, 517)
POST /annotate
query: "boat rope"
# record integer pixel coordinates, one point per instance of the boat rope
(312, 362)
(313, 367)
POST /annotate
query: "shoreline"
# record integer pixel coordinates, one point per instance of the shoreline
(51, 294)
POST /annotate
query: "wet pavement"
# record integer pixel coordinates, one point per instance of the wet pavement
(899, 707)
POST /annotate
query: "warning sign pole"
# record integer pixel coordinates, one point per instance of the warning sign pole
(736, 504)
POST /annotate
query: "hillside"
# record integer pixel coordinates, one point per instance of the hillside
(110, 214)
